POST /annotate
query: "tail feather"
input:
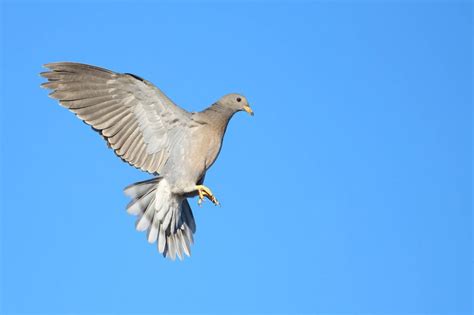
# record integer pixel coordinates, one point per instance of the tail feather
(184, 243)
(162, 239)
(153, 230)
(171, 252)
(138, 205)
(177, 244)
(144, 221)
(167, 218)
(188, 216)
(138, 189)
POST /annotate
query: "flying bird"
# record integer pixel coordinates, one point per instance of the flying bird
(148, 131)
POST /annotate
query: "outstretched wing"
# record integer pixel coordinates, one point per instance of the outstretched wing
(137, 120)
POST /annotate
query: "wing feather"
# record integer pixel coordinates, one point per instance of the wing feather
(103, 107)
(119, 138)
(134, 151)
(119, 126)
(86, 102)
(138, 121)
(141, 156)
(125, 142)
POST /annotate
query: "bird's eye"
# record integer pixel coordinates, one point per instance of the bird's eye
(238, 99)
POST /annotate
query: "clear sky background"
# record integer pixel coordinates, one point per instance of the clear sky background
(348, 192)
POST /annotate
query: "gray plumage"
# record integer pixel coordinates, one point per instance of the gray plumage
(148, 131)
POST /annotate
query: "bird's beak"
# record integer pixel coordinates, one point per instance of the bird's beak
(248, 110)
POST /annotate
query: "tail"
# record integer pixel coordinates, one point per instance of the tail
(167, 217)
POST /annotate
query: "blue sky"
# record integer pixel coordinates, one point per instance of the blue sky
(349, 191)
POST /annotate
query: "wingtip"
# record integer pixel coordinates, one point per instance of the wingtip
(44, 74)
(44, 85)
(53, 95)
(49, 65)
(56, 64)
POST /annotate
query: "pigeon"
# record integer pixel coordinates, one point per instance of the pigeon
(150, 132)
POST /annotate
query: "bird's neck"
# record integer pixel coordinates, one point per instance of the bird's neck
(219, 116)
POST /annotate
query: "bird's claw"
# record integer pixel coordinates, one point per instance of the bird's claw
(203, 191)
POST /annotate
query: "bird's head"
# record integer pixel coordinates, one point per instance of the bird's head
(236, 102)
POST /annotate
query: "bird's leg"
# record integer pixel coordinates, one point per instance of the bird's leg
(201, 197)
(204, 191)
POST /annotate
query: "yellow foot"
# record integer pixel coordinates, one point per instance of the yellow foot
(203, 191)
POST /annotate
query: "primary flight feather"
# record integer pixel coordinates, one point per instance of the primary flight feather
(147, 130)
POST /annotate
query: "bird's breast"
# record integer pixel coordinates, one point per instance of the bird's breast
(206, 145)
(212, 144)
